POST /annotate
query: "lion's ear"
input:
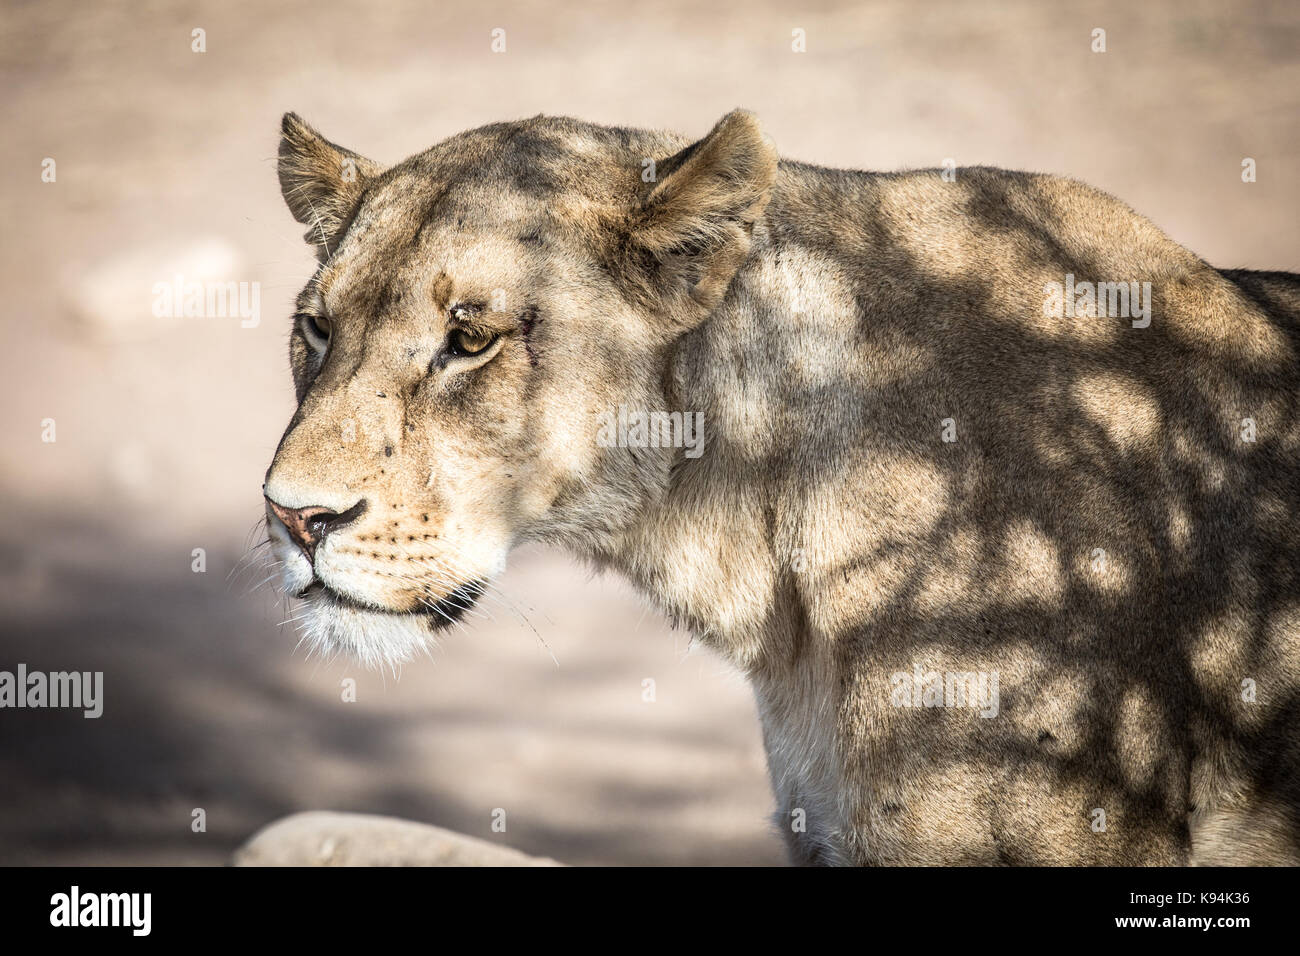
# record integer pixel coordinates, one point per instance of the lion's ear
(321, 182)
(695, 222)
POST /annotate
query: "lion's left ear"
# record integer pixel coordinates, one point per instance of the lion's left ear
(321, 182)
(695, 223)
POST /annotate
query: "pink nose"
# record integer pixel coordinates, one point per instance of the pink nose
(309, 526)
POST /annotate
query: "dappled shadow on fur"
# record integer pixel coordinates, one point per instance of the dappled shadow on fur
(1121, 674)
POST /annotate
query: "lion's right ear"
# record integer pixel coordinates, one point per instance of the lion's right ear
(321, 182)
(695, 222)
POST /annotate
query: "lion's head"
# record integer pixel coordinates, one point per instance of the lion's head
(475, 310)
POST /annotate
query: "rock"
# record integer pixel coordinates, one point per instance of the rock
(321, 838)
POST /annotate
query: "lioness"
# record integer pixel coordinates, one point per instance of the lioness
(995, 502)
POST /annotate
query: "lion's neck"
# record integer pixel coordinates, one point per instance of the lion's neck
(709, 549)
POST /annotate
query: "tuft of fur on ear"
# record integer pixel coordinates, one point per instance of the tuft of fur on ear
(696, 221)
(321, 182)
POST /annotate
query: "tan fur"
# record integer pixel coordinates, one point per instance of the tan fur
(1099, 536)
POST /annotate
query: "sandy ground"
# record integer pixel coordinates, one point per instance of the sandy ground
(165, 164)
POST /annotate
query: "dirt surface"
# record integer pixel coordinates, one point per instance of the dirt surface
(165, 163)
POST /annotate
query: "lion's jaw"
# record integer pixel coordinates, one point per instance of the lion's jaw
(338, 612)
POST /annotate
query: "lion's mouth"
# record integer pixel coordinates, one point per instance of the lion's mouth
(441, 613)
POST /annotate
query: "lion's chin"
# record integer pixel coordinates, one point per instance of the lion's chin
(331, 623)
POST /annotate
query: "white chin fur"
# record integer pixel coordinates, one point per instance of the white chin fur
(373, 638)
(329, 626)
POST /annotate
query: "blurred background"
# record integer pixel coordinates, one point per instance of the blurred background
(165, 164)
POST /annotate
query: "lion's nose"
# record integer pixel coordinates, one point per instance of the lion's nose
(309, 526)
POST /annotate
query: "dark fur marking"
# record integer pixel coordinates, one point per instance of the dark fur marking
(528, 321)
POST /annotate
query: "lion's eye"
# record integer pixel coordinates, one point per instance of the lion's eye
(465, 342)
(317, 327)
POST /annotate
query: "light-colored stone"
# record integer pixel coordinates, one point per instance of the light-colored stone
(357, 839)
